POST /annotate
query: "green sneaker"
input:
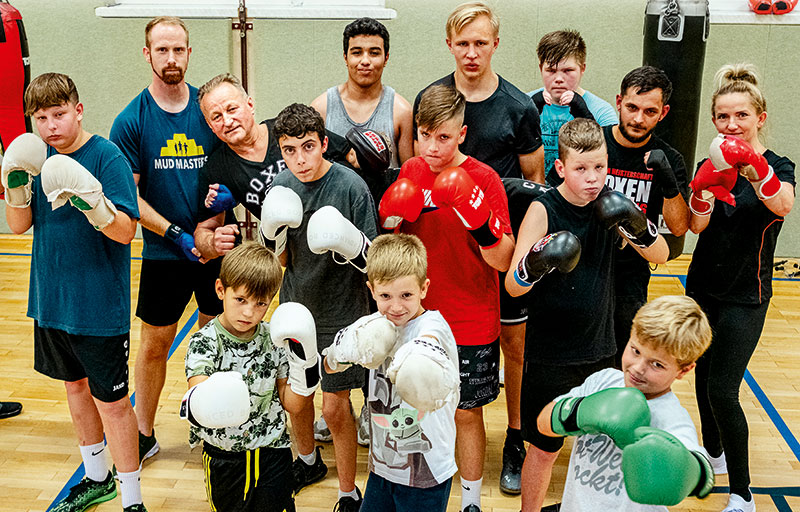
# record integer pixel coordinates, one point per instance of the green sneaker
(86, 493)
(135, 508)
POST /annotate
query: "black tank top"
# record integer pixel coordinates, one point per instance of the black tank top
(571, 316)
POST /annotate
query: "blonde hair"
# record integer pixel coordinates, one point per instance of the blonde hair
(394, 256)
(467, 13)
(50, 90)
(580, 135)
(222, 78)
(439, 104)
(676, 324)
(253, 266)
(167, 20)
(741, 78)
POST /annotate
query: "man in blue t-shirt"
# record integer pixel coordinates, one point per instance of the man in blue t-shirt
(165, 138)
(79, 295)
(562, 63)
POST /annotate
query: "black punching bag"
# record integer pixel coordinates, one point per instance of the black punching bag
(15, 74)
(675, 33)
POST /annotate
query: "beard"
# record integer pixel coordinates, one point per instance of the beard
(631, 137)
(170, 76)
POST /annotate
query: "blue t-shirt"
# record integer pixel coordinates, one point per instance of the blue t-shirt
(167, 151)
(81, 279)
(554, 116)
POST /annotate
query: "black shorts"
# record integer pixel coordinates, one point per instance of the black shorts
(71, 357)
(166, 287)
(513, 310)
(479, 367)
(542, 383)
(256, 480)
(352, 378)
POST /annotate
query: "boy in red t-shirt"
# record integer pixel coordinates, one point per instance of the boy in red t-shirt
(457, 206)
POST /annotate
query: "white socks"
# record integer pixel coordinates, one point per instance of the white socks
(471, 492)
(309, 459)
(94, 461)
(130, 488)
(352, 494)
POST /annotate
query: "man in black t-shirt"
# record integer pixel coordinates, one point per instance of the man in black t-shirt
(503, 131)
(651, 174)
(246, 164)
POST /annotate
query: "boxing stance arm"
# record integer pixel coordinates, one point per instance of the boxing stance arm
(499, 256)
(782, 203)
(676, 215)
(19, 220)
(533, 228)
(122, 230)
(403, 129)
(532, 165)
(213, 239)
(543, 420)
(656, 253)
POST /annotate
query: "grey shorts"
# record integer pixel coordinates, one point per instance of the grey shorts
(352, 378)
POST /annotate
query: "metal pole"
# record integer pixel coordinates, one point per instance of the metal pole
(242, 25)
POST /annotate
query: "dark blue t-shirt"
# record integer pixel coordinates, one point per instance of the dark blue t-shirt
(81, 279)
(167, 151)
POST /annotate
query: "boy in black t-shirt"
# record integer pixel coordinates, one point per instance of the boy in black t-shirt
(572, 228)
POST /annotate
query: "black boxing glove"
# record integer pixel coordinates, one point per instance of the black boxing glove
(614, 209)
(372, 151)
(560, 250)
(657, 162)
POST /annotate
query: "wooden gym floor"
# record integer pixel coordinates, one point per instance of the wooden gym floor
(39, 456)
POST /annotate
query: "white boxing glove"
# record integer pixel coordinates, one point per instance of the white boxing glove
(367, 342)
(65, 179)
(292, 327)
(329, 230)
(23, 160)
(220, 401)
(282, 209)
(424, 375)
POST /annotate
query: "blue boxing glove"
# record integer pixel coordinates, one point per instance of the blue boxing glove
(223, 201)
(182, 239)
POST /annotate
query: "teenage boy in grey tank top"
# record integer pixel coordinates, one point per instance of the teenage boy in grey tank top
(363, 101)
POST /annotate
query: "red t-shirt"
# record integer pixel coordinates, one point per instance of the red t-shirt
(464, 288)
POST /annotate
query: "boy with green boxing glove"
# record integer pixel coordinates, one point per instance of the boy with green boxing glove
(637, 448)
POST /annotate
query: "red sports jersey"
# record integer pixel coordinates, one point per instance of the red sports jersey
(464, 288)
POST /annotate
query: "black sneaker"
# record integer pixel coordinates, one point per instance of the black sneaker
(348, 504)
(511, 476)
(472, 508)
(304, 474)
(9, 409)
(135, 508)
(86, 493)
(148, 446)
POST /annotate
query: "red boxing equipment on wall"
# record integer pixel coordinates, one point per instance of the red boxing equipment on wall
(15, 74)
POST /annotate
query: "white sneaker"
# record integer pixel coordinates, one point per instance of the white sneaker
(363, 426)
(737, 504)
(321, 431)
(718, 464)
(502, 377)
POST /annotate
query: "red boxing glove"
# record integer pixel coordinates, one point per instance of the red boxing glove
(731, 151)
(455, 188)
(708, 182)
(403, 200)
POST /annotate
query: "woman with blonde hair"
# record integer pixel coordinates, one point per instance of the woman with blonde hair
(731, 271)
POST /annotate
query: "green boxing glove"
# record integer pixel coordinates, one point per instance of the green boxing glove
(615, 412)
(659, 470)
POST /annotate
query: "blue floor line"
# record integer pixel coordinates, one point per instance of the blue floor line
(81, 472)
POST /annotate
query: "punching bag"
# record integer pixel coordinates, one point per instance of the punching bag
(15, 74)
(675, 33)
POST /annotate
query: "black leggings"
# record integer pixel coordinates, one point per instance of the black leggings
(718, 377)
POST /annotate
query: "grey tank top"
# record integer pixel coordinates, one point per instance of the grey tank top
(382, 119)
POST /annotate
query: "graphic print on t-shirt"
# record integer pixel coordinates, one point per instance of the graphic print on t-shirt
(635, 185)
(180, 152)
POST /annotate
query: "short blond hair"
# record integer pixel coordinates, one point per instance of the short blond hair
(253, 266)
(396, 255)
(50, 90)
(166, 20)
(467, 13)
(676, 324)
(580, 135)
(439, 104)
(741, 78)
